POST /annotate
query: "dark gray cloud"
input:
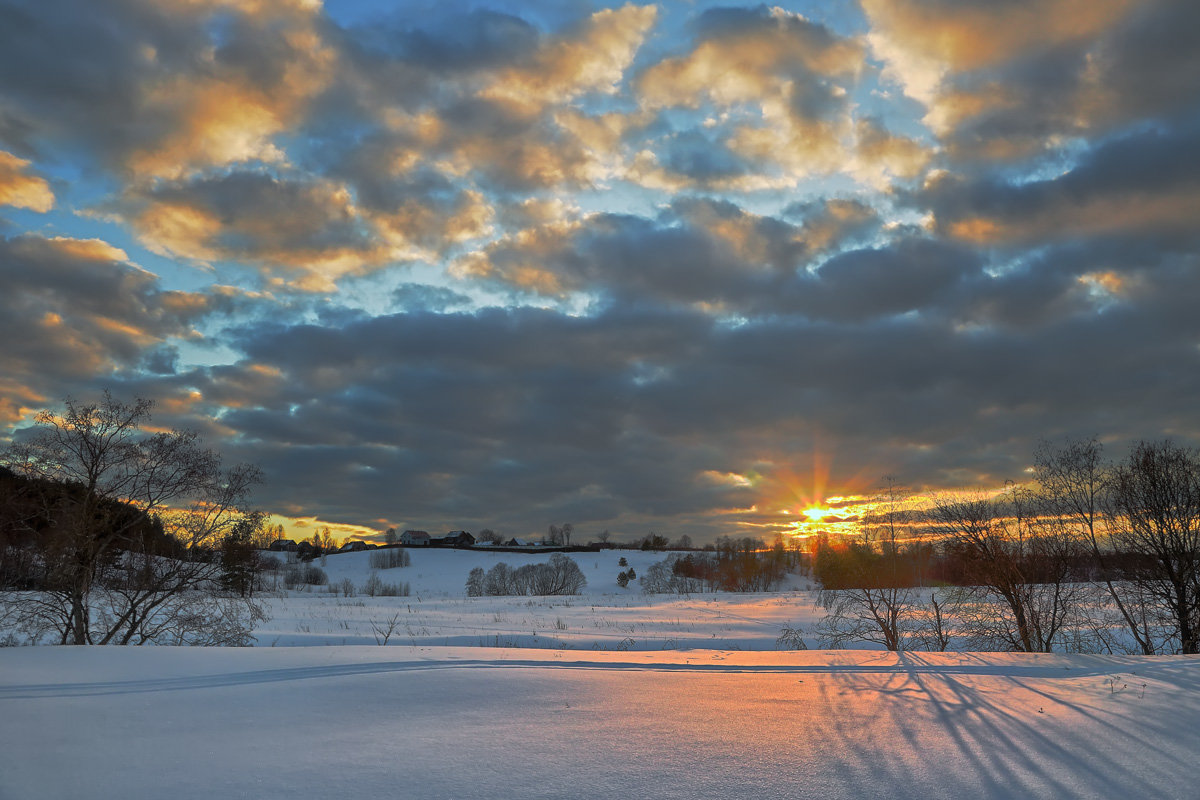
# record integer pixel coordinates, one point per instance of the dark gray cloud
(421, 297)
(700, 159)
(693, 318)
(705, 252)
(1144, 66)
(478, 39)
(75, 307)
(306, 232)
(151, 89)
(516, 418)
(1147, 181)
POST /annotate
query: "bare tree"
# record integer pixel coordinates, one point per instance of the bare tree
(1075, 483)
(475, 582)
(489, 535)
(1018, 571)
(875, 601)
(935, 621)
(384, 629)
(131, 521)
(1156, 520)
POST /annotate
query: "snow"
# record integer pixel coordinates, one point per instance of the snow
(696, 704)
(437, 722)
(604, 617)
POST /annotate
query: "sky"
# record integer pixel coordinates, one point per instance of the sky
(689, 268)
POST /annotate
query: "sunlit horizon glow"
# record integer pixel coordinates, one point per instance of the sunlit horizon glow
(686, 267)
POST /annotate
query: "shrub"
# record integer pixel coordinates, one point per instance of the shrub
(375, 587)
(390, 558)
(401, 589)
(297, 575)
(559, 576)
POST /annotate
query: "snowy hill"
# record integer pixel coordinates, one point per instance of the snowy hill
(604, 616)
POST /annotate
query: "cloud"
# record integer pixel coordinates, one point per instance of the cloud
(420, 297)
(741, 57)
(486, 101)
(164, 90)
(511, 418)
(909, 275)
(882, 156)
(1007, 81)
(592, 58)
(19, 188)
(1143, 182)
(724, 249)
(828, 224)
(964, 36)
(784, 77)
(419, 212)
(303, 233)
(701, 253)
(77, 307)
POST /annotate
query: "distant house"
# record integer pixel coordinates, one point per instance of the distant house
(458, 539)
(414, 539)
(353, 547)
(515, 542)
(283, 546)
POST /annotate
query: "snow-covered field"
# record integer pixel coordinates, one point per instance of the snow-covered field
(434, 722)
(604, 617)
(562, 710)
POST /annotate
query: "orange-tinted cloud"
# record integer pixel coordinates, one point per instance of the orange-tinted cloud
(524, 260)
(782, 77)
(746, 65)
(1175, 210)
(881, 155)
(591, 59)
(76, 309)
(21, 189)
(232, 104)
(304, 234)
(972, 35)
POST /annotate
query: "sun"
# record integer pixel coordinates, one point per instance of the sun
(816, 513)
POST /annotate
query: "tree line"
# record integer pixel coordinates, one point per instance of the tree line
(1090, 555)
(733, 564)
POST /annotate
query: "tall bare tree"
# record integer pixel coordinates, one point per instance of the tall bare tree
(1075, 483)
(1156, 520)
(100, 478)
